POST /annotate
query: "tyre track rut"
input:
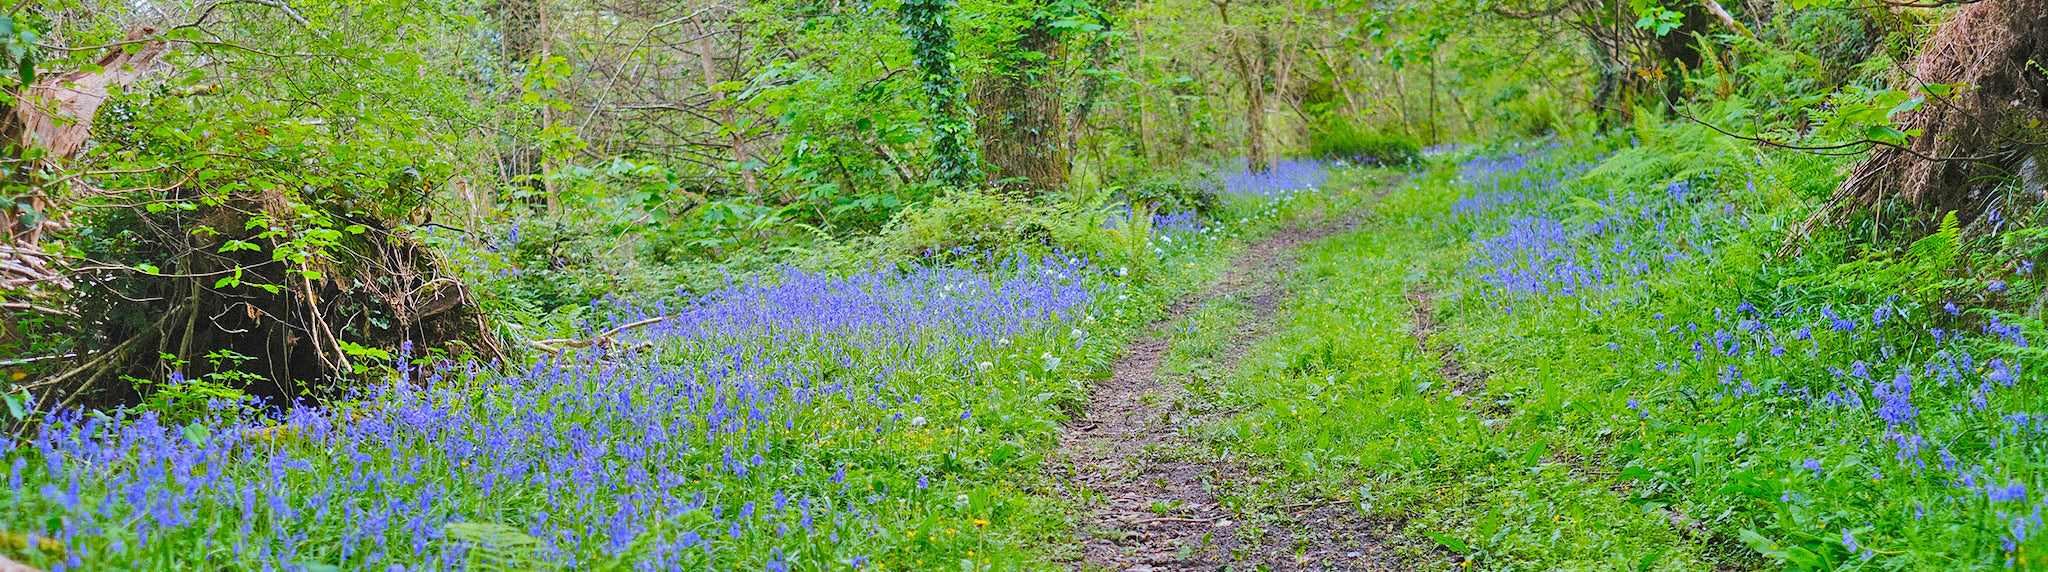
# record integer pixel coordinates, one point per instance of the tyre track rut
(1155, 504)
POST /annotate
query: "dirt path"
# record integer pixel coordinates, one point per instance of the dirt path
(1155, 502)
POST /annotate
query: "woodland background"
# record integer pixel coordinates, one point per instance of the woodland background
(273, 196)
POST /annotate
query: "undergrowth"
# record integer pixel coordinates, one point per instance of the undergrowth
(1661, 391)
(889, 417)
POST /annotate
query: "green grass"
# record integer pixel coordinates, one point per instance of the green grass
(1604, 438)
(1344, 402)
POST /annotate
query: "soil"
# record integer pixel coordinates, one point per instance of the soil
(1467, 383)
(1154, 491)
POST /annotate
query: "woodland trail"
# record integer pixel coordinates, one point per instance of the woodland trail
(1155, 505)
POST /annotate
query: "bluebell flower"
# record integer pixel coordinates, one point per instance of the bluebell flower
(2012, 492)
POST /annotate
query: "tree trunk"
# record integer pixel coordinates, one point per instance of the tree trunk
(1251, 71)
(1091, 85)
(1435, 109)
(1144, 90)
(709, 64)
(1023, 121)
(521, 28)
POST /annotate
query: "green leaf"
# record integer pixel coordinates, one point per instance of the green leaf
(16, 406)
(1909, 104)
(1448, 542)
(1536, 453)
(1764, 546)
(1649, 560)
(1885, 134)
(197, 434)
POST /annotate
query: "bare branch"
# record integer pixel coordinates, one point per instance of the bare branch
(559, 345)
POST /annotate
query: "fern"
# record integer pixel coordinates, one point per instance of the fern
(1939, 250)
(1919, 273)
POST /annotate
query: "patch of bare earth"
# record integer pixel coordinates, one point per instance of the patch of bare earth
(1155, 495)
(1466, 382)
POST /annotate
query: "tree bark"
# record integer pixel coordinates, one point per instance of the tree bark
(1091, 85)
(709, 63)
(522, 29)
(1023, 122)
(1251, 71)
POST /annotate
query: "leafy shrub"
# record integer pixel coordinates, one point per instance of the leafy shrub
(1341, 139)
(1532, 114)
(1834, 39)
(1173, 195)
(1923, 273)
(550, 265)
(972, 223)
(959, 223)
(179, 400)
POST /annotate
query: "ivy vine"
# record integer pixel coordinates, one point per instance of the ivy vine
(954, 162)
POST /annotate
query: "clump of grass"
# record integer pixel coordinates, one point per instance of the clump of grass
(1343, 139)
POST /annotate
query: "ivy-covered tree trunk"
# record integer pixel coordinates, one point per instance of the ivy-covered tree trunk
(1022, 123)
(1092, 84)
(954, 164)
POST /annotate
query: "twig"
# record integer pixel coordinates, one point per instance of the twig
(260, 52)
(282, 7)
(94, 363)
(1726, 18)
(1308, 504)
(33, 307)
(1172, 519)
(1882, 4)
(550, 345)
(1865, 144)
(26, 361)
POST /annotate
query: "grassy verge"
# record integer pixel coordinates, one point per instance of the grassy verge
(1662, 393)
